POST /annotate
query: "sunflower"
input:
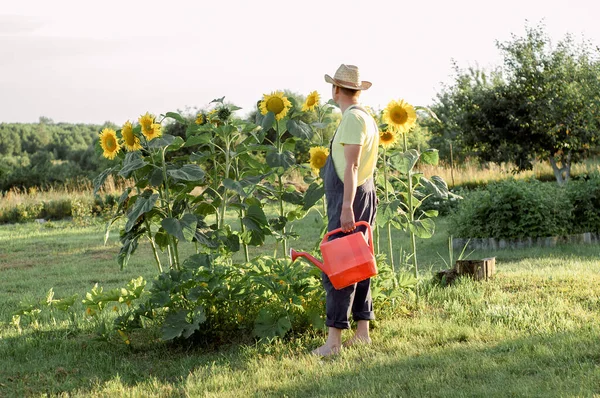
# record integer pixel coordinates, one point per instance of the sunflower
(146, 123)
(130, 141)
(276, 103)
(387, 138)
(109, 143)
(213, 117)
(400, 115)
(311, 101)
(200, 119)
(318, 157)
(155, 131)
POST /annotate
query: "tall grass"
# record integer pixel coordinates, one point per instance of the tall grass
(80, 189)
(474, 174)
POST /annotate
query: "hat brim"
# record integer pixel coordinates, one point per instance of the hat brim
(364, 85)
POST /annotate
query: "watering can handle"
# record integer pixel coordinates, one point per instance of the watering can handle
(364, 223)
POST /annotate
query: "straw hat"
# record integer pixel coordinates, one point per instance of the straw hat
(348, 76)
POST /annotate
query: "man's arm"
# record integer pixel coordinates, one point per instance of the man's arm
(352, 155)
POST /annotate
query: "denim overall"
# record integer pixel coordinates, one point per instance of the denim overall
(354, 298)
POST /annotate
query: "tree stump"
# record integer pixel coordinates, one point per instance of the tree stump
(477, 269)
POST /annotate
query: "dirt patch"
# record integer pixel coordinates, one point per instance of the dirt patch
(105, 254)
(21, 263)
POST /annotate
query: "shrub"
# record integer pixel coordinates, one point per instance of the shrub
(513, 209)
(57, 209)
(585, 198)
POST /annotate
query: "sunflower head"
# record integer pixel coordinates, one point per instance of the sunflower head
(130, 141)
(400, 116)
(213, 117)
(318, 157)
(224, 113)
(146, 122)
(200, 119)
(387, 138)
(276, 103)
(154, 132)
(312, 101)
(108, 142)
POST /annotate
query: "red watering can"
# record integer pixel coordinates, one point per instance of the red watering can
(346, 260)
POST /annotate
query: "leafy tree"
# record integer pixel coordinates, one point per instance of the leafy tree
(544, 104)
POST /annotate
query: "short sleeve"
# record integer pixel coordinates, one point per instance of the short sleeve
(352, 129)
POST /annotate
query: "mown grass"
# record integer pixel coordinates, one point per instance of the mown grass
(531, 331)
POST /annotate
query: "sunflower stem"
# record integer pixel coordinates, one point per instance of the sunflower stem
(388, 223)
(280, 193)
(153, 244)
(411, 215)
(243, 229)
(171, 241)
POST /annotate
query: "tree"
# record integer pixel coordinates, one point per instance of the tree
(544, 104)
(455, 109)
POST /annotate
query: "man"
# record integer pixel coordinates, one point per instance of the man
(350, 194)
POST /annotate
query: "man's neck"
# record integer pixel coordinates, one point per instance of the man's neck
(347, 104)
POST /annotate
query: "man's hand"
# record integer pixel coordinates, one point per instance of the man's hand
(347, 219)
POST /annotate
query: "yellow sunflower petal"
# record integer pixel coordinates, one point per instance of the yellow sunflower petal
(387, 138)
(109, 143)
(130, 141)
(312, 101)
(154, 132)
(146, 122)
(275, 102)
(400, 116)
(318, 157)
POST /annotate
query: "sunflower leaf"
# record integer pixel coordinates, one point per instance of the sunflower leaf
(292, 197)
(142, 205)
(176, 116)
(177, 143)
(199, 139)
(437, 186)
(162, 141)
(156, 178)
(188, 172)
(430, 156)
(283, 159)
(299, 129)
(132, 162)
(267, 121)
(423, 229)
(99, 180)
(257, 225)
(405, 162)
(183, 229)
(312, 195)
(234, 186)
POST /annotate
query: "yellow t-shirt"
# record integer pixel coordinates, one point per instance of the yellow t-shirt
(356, 127)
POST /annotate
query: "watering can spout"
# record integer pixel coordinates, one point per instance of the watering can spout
(294, 255)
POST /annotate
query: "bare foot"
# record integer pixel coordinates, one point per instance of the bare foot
(326, 350)
(357, 339)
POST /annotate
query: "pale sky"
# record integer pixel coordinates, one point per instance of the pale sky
(91, 62)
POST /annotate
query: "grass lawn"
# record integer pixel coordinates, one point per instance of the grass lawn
(531, 331)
